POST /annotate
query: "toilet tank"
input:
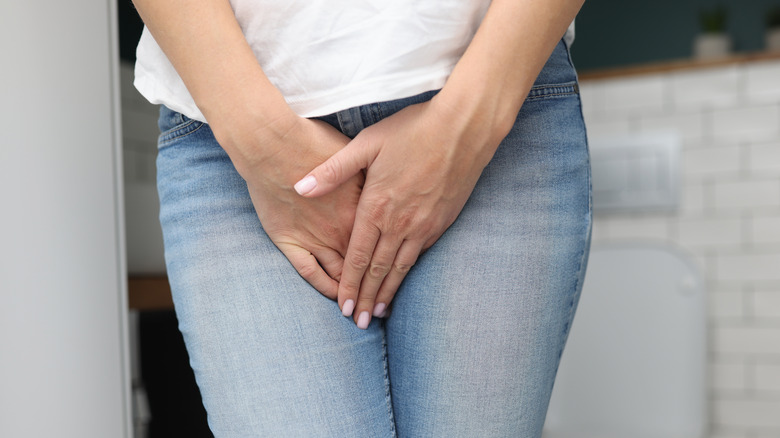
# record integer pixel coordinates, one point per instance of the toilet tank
(635, 361)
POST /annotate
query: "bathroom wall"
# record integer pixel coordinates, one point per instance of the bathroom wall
(728, 218)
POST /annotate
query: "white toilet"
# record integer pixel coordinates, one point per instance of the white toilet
(634, 365)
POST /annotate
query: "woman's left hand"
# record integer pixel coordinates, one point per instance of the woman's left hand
(422, 164)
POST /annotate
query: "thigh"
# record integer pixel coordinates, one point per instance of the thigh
(478, 327)
(272, 357)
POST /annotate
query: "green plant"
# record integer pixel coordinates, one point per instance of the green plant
(773, 18)
(713, 20)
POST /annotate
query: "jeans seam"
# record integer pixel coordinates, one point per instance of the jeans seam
(388, 393)
(551, 95)
(585, 247)
(571, 62)
(580, 274)
(553, 90)
(345, 122)
(176, 134)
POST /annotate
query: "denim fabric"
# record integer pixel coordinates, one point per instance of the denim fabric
(473, 342)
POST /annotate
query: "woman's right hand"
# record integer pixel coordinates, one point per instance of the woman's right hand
(313, 233)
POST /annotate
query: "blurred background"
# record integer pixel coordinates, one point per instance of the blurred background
(613, 33)
(678, 329)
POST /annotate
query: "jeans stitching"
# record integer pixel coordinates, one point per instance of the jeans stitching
(179, 132)
(580, 273)
(388, 394)
(585, 247)
(376, 113)
(553, 90)
(577, 290)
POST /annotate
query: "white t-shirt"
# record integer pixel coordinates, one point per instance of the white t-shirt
(328, 55)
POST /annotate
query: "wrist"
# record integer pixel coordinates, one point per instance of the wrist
(251, 126)
(479, 110)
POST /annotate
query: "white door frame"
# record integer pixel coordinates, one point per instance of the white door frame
(63, 298)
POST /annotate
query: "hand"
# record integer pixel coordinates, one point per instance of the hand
(422, 164)
(312, 233)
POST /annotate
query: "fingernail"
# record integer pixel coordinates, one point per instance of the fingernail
(363, 320)
(305, 185)
(379, 310)
(349, 306)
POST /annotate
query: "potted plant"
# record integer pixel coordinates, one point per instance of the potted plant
(773, 29)
(713, 41)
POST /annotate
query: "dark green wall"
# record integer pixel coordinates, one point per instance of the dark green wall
(609, 32)
(623, 32)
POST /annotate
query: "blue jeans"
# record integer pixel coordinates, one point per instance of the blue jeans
(473, 342)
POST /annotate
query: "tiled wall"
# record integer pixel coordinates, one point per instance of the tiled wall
(728, 220)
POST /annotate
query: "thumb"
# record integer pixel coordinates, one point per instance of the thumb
(337, 169)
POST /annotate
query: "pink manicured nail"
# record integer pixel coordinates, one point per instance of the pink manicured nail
(349, 306)
(363, 320)
(379, 310)
(305, 185)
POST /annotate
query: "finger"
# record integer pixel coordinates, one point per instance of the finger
(330, 260)
(404, 260)
(306, 264)
(361, 247)
(341, 166)
(381, 263)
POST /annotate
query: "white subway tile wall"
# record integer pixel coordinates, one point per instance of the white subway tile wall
(698, 89)
(767, 379)
(719, 433)
(644, 95)
(728, 220)
(728, 376)
(702, 162)
(726, 305)
(689, 126)
(746, 122)
(764, 157)
(758, 414)
(761, 82)
(766, 304)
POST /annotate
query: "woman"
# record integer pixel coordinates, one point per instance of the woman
(424, 164)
